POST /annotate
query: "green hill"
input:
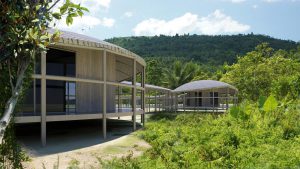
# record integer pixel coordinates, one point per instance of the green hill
(213, 50)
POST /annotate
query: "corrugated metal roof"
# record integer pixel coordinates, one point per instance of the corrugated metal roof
(77, 39)
(201, 85)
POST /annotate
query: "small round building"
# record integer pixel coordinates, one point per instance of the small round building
(206, 94)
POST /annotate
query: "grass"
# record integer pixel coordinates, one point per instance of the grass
(246, 137)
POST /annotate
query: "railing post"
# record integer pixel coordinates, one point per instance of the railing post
(143, 120)
(43, 98)
(213, 97)
(184, 102)
(134, 95)
(119, 100)
(104, 95)
(227, 95)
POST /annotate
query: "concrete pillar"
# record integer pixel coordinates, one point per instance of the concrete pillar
(104, 95)
(134, 95)
(119, 100)
(43, 98)
(143, 96)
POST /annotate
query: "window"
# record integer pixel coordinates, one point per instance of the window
(188, 103)
(61, 95)
(199, 99)
(214, 101)
(70, 96)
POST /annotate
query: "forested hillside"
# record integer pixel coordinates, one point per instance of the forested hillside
(212, 50)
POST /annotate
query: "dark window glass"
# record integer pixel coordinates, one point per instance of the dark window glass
(200, 99)
(214, 103)
(60, 63)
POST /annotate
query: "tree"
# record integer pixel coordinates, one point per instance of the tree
(23, 35)
(154, 72)
(256, 73)
(179, 74)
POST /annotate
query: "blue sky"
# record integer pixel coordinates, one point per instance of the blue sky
(119, 18)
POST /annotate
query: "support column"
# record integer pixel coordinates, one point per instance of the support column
(143, 96)
(155, 108)
(119, 100)
(34, 86)
(227, 95)
(159, 102)
(43, 98)
(184, 101)
(104, 95)
(176, 102)
(213, 96)
(134, 95)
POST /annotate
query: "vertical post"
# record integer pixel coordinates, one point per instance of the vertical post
(143, 96)
(176, 102)
(134, 95)
(213, 96)
(155, 101)
(184, 102)
(159, 102)
(34, 86)
(104, 95)
(227, 95)
(43, 98)
(119, 100)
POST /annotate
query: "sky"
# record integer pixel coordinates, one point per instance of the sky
(121, 18)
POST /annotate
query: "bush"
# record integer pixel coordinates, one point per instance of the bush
(252, 135)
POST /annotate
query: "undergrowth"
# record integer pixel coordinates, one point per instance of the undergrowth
(252, 135)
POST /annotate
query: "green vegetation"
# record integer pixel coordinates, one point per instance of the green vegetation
(210, 54)
(204, 49)
(265, 71)
(253, 135)
(261, 132)
(179, 74)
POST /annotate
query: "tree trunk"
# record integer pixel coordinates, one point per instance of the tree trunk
(11, 103)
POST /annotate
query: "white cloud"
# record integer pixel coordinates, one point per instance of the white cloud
(128, 14)
(213, 24)
(85, 23)
(108, 22)
(268, 1)
(237, 1)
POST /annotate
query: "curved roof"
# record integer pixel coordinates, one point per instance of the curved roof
(202, 84)
(76, 39)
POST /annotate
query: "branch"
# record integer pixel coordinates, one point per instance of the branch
(55, 3)
(10, 77)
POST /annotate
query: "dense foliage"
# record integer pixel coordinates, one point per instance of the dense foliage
(179, 74)
(265, 71)
(210, 53)
(253, 135)
(259, 133)
(212, 50)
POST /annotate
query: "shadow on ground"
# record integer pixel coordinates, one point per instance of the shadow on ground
(71, 135)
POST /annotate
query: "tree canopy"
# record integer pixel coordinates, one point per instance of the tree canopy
(205, 49)
(265, 71)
